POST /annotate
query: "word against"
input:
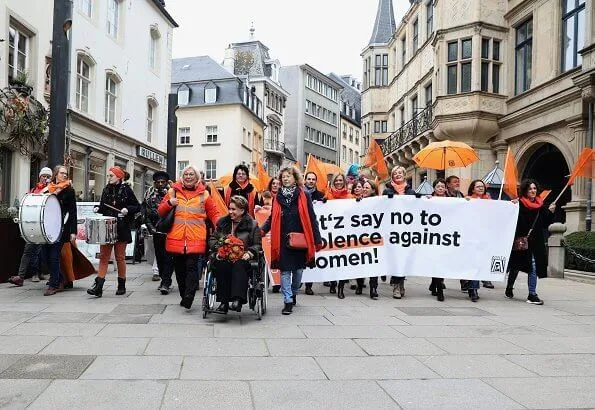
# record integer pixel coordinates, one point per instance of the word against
(408, 236)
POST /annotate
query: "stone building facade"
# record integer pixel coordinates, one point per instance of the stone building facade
(494, 74)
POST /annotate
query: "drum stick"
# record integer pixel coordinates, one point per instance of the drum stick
(114, 208)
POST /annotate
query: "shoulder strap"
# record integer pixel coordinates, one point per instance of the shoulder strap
(533, 224)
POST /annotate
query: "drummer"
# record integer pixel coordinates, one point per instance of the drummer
(30, 258)
(60, 186)
(117, 200)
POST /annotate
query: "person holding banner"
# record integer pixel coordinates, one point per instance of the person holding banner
(295, 235)
(398, 186)
(437, 284)
(232, 277)
(357, 189)
(369, 189)
(240, 185)
(117, 200)
(311, 188)
(338, 190)
(528, 250)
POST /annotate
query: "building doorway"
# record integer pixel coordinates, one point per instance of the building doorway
(548, 166)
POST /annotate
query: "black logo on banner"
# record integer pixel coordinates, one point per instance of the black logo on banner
(498, 264)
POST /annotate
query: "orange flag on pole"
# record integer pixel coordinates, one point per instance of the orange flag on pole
(583, 167)
(263, 176)
(545, 193)
(219, 202)
(375, 160)
(509, 185)
(319, 169)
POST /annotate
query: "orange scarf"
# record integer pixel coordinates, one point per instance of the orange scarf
(399, 188)
(276, 229)
(532, 204)
(338, 194)
(55, 188)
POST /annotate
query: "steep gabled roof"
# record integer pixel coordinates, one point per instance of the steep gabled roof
(194, 69)
(385, 24)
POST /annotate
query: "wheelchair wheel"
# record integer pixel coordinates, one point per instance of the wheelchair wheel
(258, 309)
(265, 292)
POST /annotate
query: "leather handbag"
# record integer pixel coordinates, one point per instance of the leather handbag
(296, 240)
(521, 243)
(165, 222)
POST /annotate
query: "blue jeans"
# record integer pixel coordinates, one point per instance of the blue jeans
(473, 284)
(531, 278)
(50, 254)
(290, 284)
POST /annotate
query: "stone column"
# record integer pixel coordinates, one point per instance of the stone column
(575, 209)
(556, 251)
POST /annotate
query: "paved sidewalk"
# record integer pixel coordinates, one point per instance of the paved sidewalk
(144, 351)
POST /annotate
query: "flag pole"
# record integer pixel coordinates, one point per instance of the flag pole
(504, 174)
(561, 193)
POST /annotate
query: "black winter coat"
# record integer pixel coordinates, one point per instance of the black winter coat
(67, 198)
(149, 208)
(247, 230)
(120, 196)
(293, 259)
(389, 190)
(521, 260)
(316, 195)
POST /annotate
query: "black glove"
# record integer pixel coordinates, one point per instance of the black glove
(324, 200)
(390, 195)
(357, 199)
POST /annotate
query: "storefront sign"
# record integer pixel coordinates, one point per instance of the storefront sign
(150, 155)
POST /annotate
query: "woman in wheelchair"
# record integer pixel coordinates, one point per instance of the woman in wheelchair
(232, 278)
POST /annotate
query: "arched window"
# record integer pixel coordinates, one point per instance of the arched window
(151, 118)
(154, 36)
(84, 71)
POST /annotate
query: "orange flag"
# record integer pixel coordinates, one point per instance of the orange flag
(509, 185)
(263, 176)
(319, 169)
(298, 165)
(545, 193)
(219, 202)
(375, 160)
(583, 167)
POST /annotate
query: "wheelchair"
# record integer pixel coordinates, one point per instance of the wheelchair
(257, 288)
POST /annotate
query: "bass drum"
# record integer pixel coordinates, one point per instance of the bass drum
(40, 218)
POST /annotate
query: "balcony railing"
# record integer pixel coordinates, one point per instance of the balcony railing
(275, 146)
(419, 124)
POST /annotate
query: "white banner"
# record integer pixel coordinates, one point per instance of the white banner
(408, 236)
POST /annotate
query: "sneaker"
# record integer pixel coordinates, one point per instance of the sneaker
(487, 284)
(155, 277)
(16, 280)
(508, 293)
(287, 309)
(534, 300)
(164, 289)
(35, 278)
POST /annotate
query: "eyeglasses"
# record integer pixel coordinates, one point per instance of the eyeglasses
(110, 175)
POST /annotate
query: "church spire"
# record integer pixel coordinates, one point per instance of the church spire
(385, 25)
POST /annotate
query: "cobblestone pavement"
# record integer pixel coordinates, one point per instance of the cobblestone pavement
(144, 351)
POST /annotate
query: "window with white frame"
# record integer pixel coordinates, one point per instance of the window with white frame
(344, 153)
(83, 81)
(154, 48)
(181, 166)
(183, 95)
(403, 51)
(18, 53)
(415, 35)
(184, 135)
(523, 56)
(111, 98)
(459, 67)
(210, 169)
(210, 93)
(85, 7)
(490, 65)
(150, 120)
(381, 70)
(113, 17)
(211, 134)
(573, 33)
(429, 18)
(428, 93)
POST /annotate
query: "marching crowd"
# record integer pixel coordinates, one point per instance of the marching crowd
(186, 218)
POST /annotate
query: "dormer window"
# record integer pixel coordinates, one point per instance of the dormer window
(210, 93)
(183, 95)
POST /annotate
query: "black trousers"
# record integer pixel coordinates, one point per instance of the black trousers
(232, 280)
(395, 280)
(436, 283)
(187, 273)
(164, 260)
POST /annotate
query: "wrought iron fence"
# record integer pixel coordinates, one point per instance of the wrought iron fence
(419, 124)
(274, 145)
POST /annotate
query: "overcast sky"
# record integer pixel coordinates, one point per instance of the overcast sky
(327, 34)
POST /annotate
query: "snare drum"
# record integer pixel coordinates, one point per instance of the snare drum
(40, 218)
(101, 230)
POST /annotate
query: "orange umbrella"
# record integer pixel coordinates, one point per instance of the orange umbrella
(226, 179)
(445, 154)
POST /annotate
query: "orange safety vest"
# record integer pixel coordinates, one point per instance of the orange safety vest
(189, 231)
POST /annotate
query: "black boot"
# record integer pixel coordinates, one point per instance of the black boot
(121, 286)
(97, 289)
(340, 293)
(333, 288)
(439, 293)
(432, 288)
(373, 292)
(287, 309)
(294, 299)
(473, 295)
(309, 289)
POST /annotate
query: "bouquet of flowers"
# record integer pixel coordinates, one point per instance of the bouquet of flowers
(230, 248)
